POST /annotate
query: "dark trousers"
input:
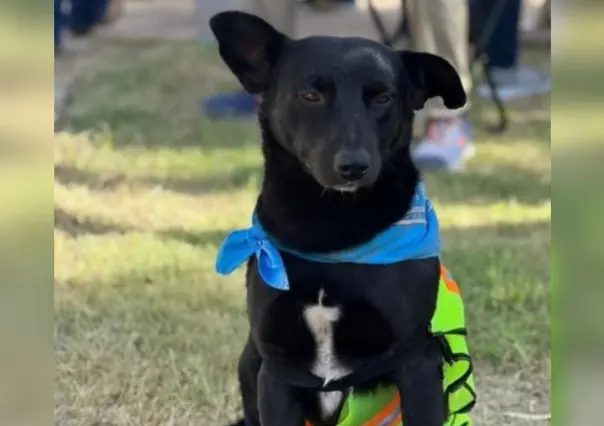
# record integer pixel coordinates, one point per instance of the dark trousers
(502, 48)
(84, 15)
(58, 22)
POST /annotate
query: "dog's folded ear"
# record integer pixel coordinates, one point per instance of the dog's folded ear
(249, 46)
(433, 76)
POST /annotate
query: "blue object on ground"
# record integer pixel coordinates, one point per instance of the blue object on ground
(447, 145)
(516, 83)
(230, 105)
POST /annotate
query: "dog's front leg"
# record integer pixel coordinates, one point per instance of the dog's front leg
(250, 363)
(275, 402)
(420, 384)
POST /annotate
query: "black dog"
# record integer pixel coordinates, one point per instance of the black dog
(336, 117)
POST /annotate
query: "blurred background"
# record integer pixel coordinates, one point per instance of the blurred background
(156, 158)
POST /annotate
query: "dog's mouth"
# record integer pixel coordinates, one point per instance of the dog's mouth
(346, 187)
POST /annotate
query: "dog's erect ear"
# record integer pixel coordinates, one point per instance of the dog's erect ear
(249, 46)
(433, 76)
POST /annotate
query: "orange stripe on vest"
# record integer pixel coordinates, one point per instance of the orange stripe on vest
(387, 411)
(382, 415)
(398, 420)
(449, 282)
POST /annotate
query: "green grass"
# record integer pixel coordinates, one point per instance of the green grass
(147, 334)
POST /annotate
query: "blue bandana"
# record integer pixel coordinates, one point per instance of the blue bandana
(415, 236)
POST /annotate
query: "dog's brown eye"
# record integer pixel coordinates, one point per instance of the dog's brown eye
(311, 97)
(382, 99)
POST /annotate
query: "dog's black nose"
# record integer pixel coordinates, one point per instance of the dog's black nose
(352, 165)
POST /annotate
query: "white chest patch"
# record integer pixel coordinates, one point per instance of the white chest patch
(321, 321)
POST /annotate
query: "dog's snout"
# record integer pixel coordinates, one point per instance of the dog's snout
(352, 165)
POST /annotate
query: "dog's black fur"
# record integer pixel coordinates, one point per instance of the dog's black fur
(336, 117)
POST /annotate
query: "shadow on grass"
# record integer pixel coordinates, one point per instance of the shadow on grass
(206, 238)
(473, 187)
(135, 126)
(230, 181)
(495, 185)
(75, 227)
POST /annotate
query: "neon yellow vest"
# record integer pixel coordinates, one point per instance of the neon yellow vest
(382, 408)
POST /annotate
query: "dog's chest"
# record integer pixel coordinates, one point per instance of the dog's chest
(337, 318)
(321, 321)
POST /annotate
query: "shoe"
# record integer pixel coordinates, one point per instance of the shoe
(230, 105)
(516, 83)
(447, 145)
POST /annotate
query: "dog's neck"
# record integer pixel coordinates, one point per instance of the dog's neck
(299, 213)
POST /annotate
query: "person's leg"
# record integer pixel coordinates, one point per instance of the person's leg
(513, 80)
(440, 27)
(502, 48)
(84, 15)
(281, 15)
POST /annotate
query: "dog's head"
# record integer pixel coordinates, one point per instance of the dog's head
(339, 105)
